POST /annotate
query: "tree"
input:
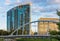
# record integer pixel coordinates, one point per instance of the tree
(2, 32)
(55, 32)
(35, 33)
(19, 32)
(58, 13)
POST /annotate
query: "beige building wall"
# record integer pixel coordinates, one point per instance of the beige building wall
(43, 26)
(31, 32)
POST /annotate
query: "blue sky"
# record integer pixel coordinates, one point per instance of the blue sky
(39, 8)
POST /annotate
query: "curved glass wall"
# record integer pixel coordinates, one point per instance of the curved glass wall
(18, 16)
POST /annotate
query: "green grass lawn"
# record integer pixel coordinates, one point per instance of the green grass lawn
(1, 39)
(35, 39)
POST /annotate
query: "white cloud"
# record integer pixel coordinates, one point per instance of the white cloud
(56, 1)
(42, 9)
(7, 2)
(27, 1)
(36, 8)
(49, 15)
(53, 1)
(2, 23)
(0, 7)
(17, 1)
(23, 1)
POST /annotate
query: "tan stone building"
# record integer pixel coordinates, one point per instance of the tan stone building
(43, 27)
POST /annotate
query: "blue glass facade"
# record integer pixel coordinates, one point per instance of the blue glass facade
(18, 16)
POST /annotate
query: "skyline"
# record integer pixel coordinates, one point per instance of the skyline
(40, 8)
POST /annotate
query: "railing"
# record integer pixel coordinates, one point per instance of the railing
(35, 22)
(12, 37)
(41, 38)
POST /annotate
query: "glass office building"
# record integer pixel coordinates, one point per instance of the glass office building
(18, 16)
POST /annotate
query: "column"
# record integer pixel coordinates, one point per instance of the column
(48, 29)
